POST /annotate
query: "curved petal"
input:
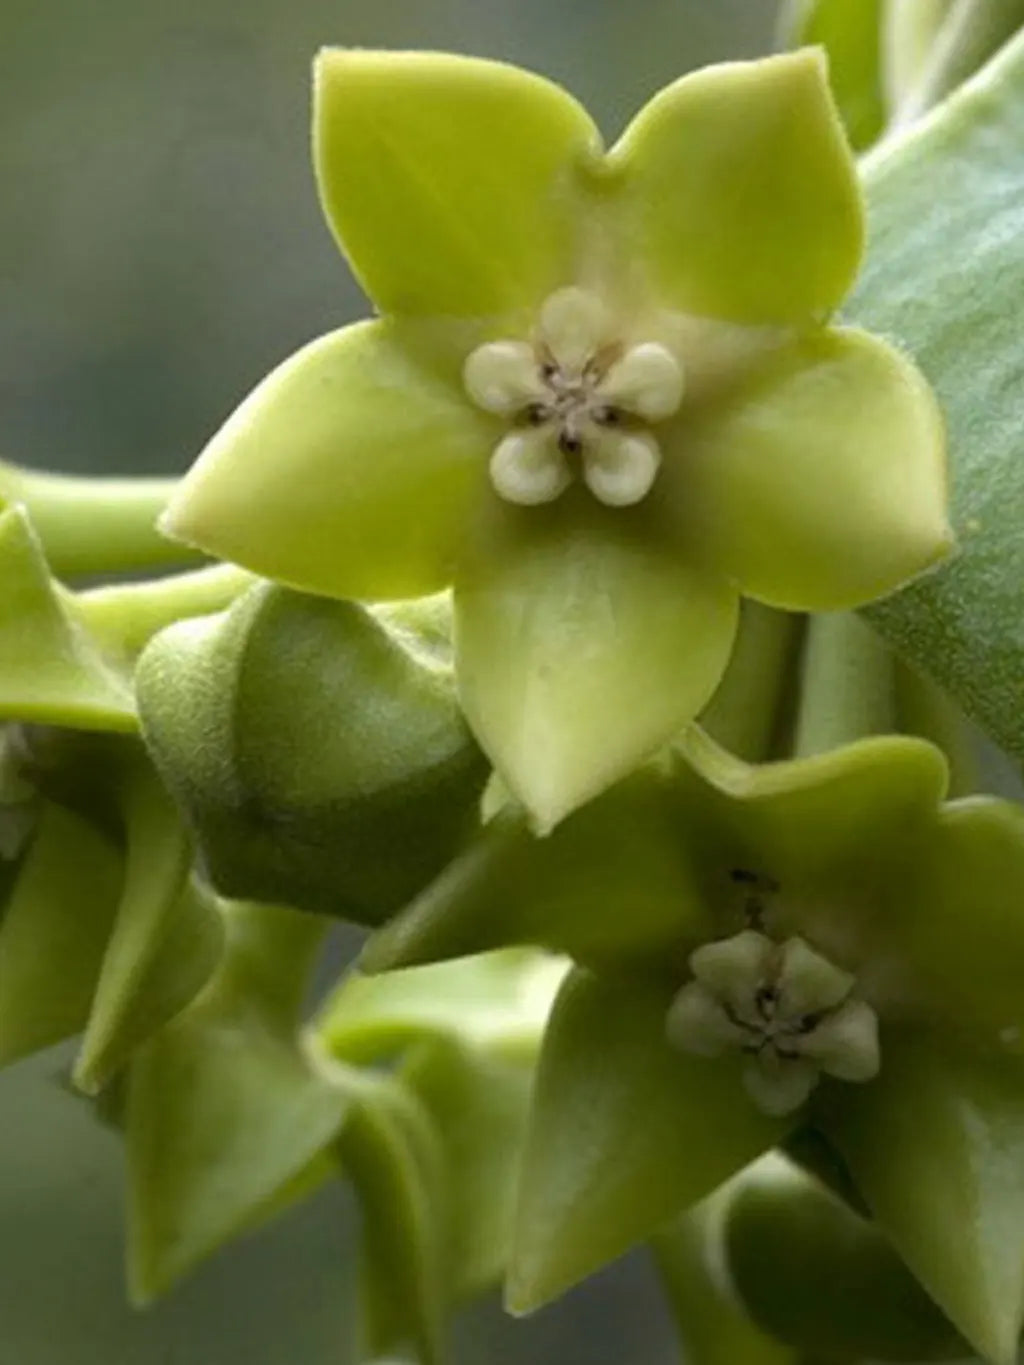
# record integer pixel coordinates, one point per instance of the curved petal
(958, 926)
(625, 1132)
(741, 191)
(51, 669)
(819, 482)
(223, 1111)
(449, 182)
(56, 923)
(494, 1000)
(825, 847)
(934, 1145)
(349, 471)
(817, 816)
(611, 882)
(582, 645)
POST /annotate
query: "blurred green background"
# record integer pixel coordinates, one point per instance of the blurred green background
(160, 249)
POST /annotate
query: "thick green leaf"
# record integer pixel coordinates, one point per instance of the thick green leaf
(944, 277)
(625, 1132)
(53, 932)
(934, 1144)
(225, 1116)
(51, 671)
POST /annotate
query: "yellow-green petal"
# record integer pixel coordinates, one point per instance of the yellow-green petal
(625, 1132)
(819, 482)
(583, 643)
(740, 192)
(349, 471)
(51, 671)
(449, 182)
(934, 1145)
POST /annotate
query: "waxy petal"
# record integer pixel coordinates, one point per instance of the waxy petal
(934, 1145)
(350, 471)
(450, 183)
(625, 1131)
(611, 882)
(493, 1000)
(807, 823)
(582, 646)
(741, 192)
(958, 929)
(51, 671)
(819, 483)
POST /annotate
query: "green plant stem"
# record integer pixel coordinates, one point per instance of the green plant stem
(124, 617)
(909, 30)
(847, 685)
(972, 31)
(93, 526)
(746, 713)
(924, 708)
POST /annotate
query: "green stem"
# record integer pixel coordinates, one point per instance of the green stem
(92, 526)
(908, 32)
(924, 709)
(847, 684)
(271, 952)
(747, 712)
(972, 31)
(124, 617)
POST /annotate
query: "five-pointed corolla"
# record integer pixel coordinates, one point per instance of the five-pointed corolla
(602, 399)
(785, 1006)
(821, 947)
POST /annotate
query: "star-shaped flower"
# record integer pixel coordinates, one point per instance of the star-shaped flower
(602, 398)
(819, 944)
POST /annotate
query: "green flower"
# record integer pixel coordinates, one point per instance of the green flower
(414, 1089)
(602, 399)
(820, 944)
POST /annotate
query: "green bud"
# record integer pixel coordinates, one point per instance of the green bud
(317, 749)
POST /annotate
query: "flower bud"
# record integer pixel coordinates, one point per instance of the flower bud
(317, 749)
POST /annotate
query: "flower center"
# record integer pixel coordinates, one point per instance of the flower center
(784, 1005)
(577, 400)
